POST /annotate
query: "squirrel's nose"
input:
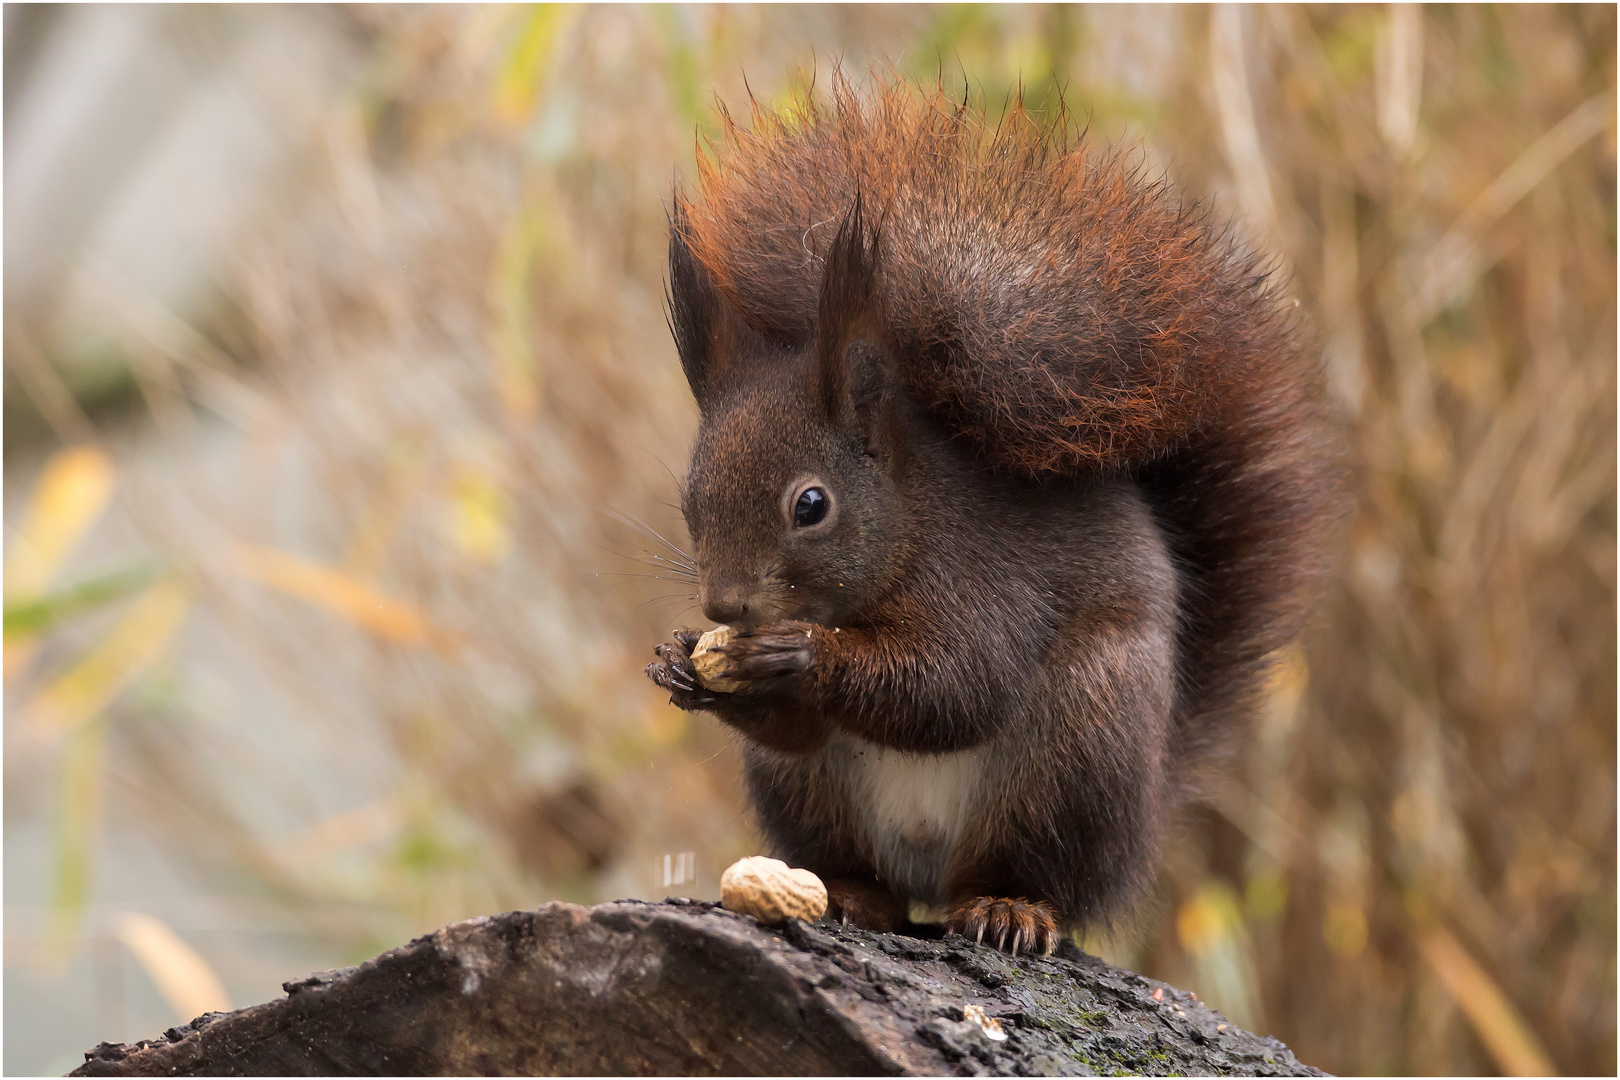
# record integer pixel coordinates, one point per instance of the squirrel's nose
(726, 604)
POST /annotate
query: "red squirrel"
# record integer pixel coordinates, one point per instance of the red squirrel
(1012, 472)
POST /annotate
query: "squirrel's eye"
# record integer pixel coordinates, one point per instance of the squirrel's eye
(811, 507)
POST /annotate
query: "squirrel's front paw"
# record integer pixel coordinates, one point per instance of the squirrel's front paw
(768, 658)
(674, 672)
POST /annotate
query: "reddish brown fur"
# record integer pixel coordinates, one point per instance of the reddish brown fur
(1118, 322)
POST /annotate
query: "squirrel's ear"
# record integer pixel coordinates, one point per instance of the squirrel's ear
(852, 376)
(708, 332)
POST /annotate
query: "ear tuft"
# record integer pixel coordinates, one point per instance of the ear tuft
(708, 332)
(691, 299)
(854, 373)
(848, 306)
(849, 311)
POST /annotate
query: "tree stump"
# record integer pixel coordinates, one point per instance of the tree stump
(684, 987)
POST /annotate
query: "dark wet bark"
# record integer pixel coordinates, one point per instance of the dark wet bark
(687, 988)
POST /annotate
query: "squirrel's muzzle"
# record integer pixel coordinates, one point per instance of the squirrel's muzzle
(731, 604)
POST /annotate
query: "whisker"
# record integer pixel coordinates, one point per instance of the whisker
(663, 600)
(641, 526)
(652, 558)
(679, 612)
(679, 482)
(647, 577)
(657, 562)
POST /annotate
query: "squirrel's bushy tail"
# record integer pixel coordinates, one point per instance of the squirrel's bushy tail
(1066, 314)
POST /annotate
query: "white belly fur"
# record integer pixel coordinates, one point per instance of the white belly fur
(914, 808)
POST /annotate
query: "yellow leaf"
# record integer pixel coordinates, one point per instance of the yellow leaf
(361, 603)
(72, 491)
(135, 644)
(1506, 1036)
(183, 977)
(1344, 930)
(518, 82)
(480, 511)
(1207, 919)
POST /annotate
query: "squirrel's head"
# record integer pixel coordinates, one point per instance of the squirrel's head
(793, 500)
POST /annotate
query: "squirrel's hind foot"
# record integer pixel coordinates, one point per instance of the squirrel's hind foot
(867, 904)
(1010, 925)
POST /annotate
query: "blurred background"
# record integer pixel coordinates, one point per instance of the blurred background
(341, 415)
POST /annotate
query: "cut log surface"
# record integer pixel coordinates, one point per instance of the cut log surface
(684, 987)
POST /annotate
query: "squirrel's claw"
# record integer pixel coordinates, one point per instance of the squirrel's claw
(678, 661)
(667, 677)
(674, 672)
(670, 678)
(1013, 925)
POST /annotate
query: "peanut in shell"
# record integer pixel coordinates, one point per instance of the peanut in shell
(711, 664)
(771, 891)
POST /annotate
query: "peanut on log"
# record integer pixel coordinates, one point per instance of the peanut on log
(771, 891)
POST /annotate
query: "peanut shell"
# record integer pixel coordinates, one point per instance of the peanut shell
(771, 891)
(711, 663)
